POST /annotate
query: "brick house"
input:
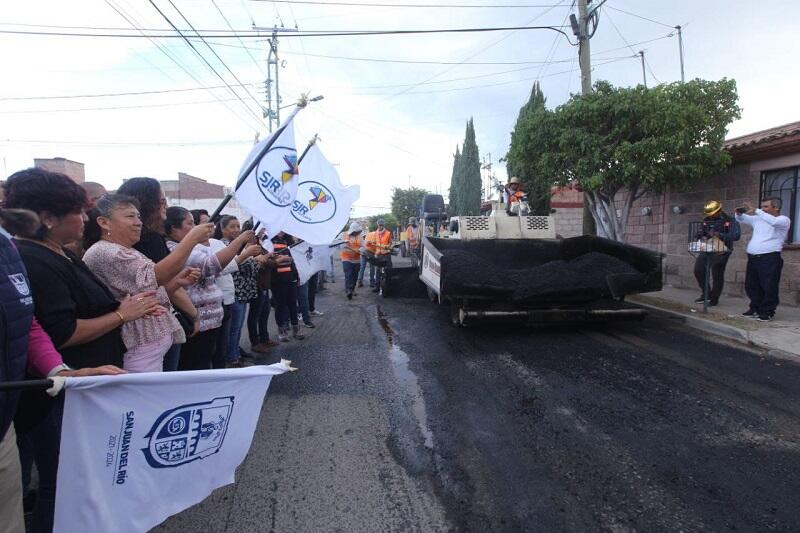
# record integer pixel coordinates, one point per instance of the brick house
(764, 164)
(73, 169)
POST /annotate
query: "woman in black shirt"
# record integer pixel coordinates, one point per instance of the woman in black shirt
(75, 309)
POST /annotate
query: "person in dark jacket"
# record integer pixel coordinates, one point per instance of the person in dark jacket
(716, 225)
(284, 288)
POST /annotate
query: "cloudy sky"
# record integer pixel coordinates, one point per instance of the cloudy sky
(395, 106)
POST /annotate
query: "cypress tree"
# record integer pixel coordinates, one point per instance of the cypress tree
(538, 190)
(469, 191)
(455, 183)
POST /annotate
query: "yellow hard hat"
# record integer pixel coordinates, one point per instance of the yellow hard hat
(712, 208)
(514, 179)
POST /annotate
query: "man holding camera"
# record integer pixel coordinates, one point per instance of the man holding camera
(764, 262)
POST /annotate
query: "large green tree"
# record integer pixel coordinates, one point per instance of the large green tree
(388, 218)
(455, 182)
(619, 144)
(468, 193)
(407, 203)
(538, 190)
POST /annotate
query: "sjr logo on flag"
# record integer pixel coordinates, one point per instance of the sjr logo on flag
(188, 432)
(315, 203)
(275, 188)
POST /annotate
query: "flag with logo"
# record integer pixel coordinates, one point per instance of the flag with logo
(269, 190)
(322, 205)
(138, 448)
(310, 259)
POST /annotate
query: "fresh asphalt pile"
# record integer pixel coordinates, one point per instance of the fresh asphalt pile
(584, 277)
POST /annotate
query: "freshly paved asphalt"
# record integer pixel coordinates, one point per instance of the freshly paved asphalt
(397, 421)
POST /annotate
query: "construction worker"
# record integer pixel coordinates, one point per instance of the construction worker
(379, 245)
(412, 235)
(512, 194)
(351, 258)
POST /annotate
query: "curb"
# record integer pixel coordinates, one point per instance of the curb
(722, 330)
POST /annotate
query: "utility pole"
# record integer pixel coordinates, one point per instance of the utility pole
(680, 50)
(273, 111)
(580, 29)
(644, 74)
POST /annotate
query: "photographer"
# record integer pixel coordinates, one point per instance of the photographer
(764, 262)
(716, 225)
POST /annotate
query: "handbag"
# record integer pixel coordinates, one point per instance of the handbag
(184, 320)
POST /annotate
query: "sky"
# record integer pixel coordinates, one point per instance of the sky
(395, 106)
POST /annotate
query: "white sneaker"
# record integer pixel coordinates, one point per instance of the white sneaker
(317, 313)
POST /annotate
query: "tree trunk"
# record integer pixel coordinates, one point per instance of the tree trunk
(604, 212)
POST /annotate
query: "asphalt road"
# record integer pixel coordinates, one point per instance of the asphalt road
(397, 421)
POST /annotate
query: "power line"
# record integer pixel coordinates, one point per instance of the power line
(235, 77)
(647, 63)
(258, 65)
(426, 6)
(104, 95)
(113, 108)
(197, 52)
(130, 144)
(641, 17)
(242, 35)
(164, 50)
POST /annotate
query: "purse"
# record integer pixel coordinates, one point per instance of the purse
(184, 320)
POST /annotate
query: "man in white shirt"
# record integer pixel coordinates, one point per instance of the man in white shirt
(764, 262)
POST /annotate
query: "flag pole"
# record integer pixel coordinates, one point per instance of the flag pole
(303, 102)
(26, 385)
(311, 143)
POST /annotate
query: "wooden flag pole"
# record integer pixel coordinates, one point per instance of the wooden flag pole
(311, 143)
(256, 160)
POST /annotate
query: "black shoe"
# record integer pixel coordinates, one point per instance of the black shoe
(713, 303)
(309, 325)
(349, 295)
(749, 312)
(700, 300)
(764, 318)
(376, 289)
(244, 353)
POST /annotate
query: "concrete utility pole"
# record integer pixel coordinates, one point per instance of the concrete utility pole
(680, 50)
(273, 110)
(644, 74)
(584, 57)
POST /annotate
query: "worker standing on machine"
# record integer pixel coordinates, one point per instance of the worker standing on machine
(379, 245)
(512, 194)
(412, 236)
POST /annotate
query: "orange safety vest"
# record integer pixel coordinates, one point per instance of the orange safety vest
(351, 247)
(412, 235)
(515, 197)
(287, 267)
(379, 244)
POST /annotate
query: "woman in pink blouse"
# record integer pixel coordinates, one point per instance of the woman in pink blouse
(115, 222)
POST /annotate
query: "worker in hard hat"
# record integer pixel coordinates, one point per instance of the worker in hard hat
(513, 194)
(378, 244)
(412, 235)
(351, 258)
(722, 230)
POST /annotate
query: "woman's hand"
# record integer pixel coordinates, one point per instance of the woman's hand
(187, 277)
(245, 236)
(200, 233)
(105, 370)
(251, 250)
(139, 305)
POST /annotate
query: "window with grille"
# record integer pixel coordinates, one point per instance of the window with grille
(783, 184)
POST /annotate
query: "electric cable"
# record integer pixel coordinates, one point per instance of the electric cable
(641, 17)
(106, 95)
(257, 64)
(426, 6)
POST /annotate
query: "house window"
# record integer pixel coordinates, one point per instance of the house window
(784, 184)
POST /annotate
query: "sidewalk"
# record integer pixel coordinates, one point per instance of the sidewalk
(726, 320)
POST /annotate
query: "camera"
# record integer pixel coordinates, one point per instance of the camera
(741, 210)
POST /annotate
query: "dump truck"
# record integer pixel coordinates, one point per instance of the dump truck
(505, 267)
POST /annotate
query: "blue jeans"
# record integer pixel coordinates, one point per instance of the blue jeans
(362, 269)
(350, 275)
(332, 271)
(171, 358)
(232, 340)
(302, 302)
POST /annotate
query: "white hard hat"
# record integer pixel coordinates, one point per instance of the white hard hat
(355, 227)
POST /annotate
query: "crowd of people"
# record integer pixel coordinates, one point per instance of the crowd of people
(104, 283)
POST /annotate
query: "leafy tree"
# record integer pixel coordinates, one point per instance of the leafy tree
(388, 218)
(538, 190)
(619, 144)
(455, 182)
(406, 203)
(468, 193)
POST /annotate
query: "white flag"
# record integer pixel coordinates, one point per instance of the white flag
(138, 448)
(310, 259)
(270, 188)
(322, 206)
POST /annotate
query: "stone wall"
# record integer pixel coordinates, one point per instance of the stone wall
(73, 169)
